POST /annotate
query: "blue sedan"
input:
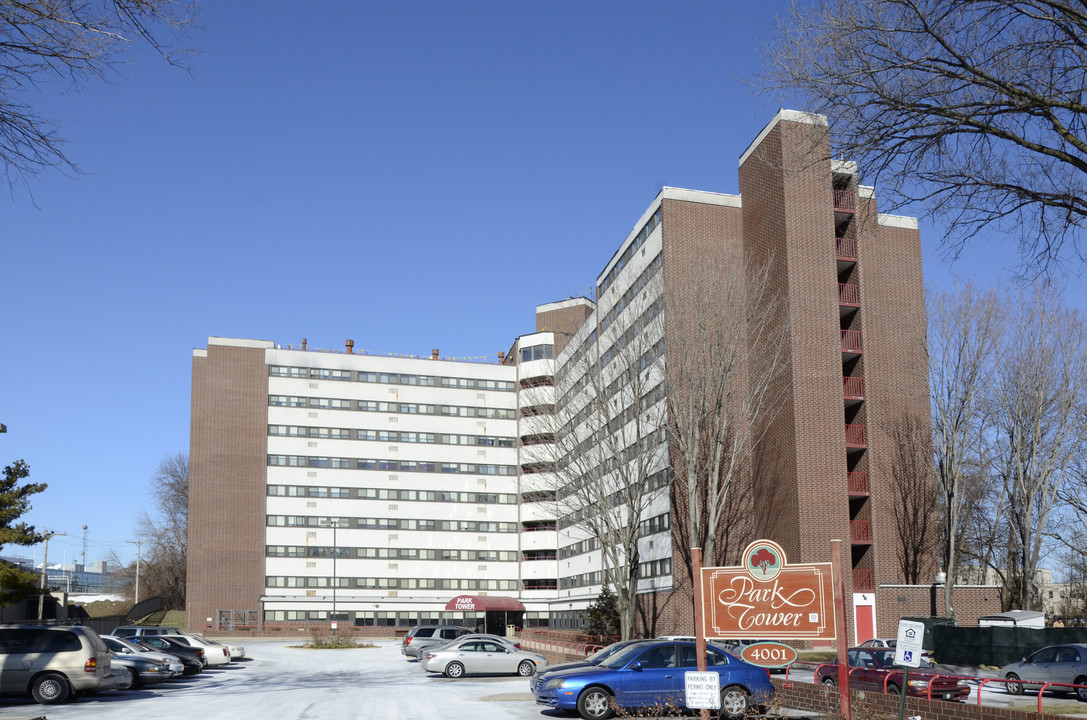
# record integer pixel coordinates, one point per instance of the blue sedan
(651, 674)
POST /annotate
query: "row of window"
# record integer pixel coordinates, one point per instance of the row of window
(640, 450)
(398, 465)
(392, 436)
(634, 246)
(582, 580)
(537, 352)
(380, 618)
(655, 568)
(652, 568)
(655, 481)
(394, 494)
(360, 523)
(389, 583)
(388, 553)
(636, 287)
(649, 526)
(391, 407)
(622, 381)
(579, 548)
(390, 378)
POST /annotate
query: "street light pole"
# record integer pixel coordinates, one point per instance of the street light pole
(335, 523)
(137, 543)
(45, 564)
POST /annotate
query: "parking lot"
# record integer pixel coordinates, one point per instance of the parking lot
(284, 683)
(280, 682)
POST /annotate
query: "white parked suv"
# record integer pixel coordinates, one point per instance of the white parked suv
(52, 663)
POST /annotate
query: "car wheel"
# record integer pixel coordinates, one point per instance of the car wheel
(892, 689)
(526, 668)
(50, 689)
(829, 682)
(596, 703)
(1081, 692)
(454, 670)
(735, 701)
(136, 682)
(1013, 685)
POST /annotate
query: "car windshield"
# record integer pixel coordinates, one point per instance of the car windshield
(122, 643)
(622, 657)
(605, 652)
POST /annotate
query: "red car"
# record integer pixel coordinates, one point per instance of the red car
(873, 669)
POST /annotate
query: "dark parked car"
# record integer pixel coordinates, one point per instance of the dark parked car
(188, 654)
(590, 661)
(1055, 664)
(651, 674)
(143, 670)
(872, 669)
(427, 636)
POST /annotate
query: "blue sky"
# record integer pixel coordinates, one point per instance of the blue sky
(411, 175)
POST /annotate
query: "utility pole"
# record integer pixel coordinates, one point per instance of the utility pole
(45, 564)
(137, 542)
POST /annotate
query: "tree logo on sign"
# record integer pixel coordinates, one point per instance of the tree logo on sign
(763, 560)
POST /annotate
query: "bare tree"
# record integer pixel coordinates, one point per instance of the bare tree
(973, 109)
(163, 536)
(73, 42)
(608, 453)
(910, 469)
(963, 333)
(1039, 410)
(724, 375)
(1071, 534)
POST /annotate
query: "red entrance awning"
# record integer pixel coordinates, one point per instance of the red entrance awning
(472, 603)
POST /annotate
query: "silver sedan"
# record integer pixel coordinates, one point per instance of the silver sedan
(1064, 664)
(482, 657)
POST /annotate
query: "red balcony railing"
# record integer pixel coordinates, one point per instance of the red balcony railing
(846, 248)
(864, 579)
(856, 435)
(858, 482)
(853, 388)
(851, 341)
(860, 530)
(844, 201)
(849, 294)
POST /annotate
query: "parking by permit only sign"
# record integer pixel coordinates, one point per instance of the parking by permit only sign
(703, 690)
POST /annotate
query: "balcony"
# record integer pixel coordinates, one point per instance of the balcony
(864, 579)
(846, 249)
(849, 294)
(860, 531)
(858, 483)
(852, 390)
(856, 436)
(845, 201)
(851, 342)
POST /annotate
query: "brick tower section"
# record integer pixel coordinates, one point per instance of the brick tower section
(227, 476)
(789, 224)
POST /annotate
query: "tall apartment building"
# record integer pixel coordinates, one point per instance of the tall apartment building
(397, 490)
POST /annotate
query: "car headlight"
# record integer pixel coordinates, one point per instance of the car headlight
(963, 683)
(918, 683)
(554, 684)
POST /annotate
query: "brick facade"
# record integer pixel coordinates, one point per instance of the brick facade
(227, 471)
